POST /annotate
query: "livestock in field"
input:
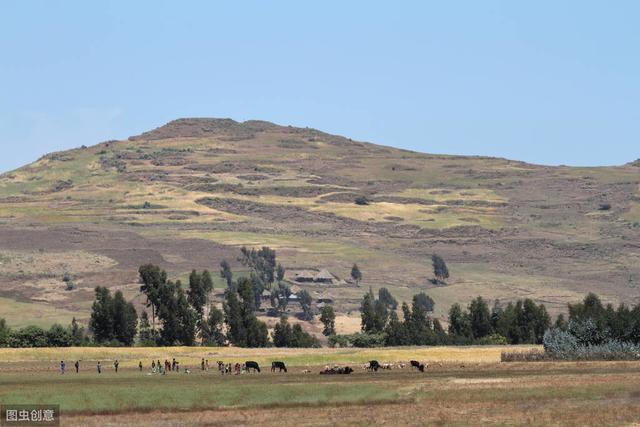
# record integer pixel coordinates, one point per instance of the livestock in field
(418, 365)
(373, 366)
(278, 365)
(250, 365)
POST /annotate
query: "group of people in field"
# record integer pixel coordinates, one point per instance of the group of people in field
(248, 366)
(76, 365)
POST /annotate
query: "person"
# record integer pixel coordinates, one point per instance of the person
(173, 365)
(153, 365)
(99, 367)
(202, 364)
(62, 367)
(140, 366)
(116, 364)
(77, 365)
(177, 368)
(206, 363)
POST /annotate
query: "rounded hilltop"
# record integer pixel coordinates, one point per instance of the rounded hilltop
(202, 127)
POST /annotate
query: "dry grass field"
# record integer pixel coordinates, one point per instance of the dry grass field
(461, 386)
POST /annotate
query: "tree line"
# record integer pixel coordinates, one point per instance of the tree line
(520, 322)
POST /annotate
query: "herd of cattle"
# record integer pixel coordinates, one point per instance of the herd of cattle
(373, 365)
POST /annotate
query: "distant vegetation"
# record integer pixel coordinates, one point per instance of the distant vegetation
(187, 317)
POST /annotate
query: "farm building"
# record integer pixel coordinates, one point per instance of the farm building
(323, 276)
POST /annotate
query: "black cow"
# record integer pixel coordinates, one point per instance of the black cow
(373, 366)
(278, 365)
(346, 370)
(252, 365)
(417, 365)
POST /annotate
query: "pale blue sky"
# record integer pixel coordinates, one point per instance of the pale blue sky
(553, 82)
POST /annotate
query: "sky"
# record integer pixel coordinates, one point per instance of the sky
(548, 82)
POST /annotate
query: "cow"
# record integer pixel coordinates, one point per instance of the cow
(278, 365)
(417, 365)
(252, 365)
(388, 366)
(373, 366)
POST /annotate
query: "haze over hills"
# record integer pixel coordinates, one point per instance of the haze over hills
(188, 194)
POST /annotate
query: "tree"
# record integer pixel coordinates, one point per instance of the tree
(424, 301)
(125, 320)
(368, 313)
(418, 323)
(75, 330)
(328, 319)
(195, 294)
(244, 329)
(440, 270)
(151, 278)
(146, 335)
(200, 285)
(286, 336)
(479, 318)
(101, 323)
(261, 261)
(280, 297)
(282, 333)
(458, 322)
(212, 333)
(356, 275)
(280, 273)
(396, 332)
(178, 318)
(389, 301)
(305, 303)
(59, 336)
(187, 319)
(381, 314)
(4, 333)
(226, 273)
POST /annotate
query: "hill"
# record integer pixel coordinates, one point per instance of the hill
(190, 193)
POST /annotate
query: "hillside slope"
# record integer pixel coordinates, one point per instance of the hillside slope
(188, 194)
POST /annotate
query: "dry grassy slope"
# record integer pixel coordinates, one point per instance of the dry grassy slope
(507, 229)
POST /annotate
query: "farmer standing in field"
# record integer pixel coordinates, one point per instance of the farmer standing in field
(62, 367)
(77, 365)
(99, 367)
(116, 364)
(202, 364)
(140, 366)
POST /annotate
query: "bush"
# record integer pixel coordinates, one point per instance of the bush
(339, 341)
(493, 339)
(360, 339)
(29, 336)
(361, 200)
(561, 345)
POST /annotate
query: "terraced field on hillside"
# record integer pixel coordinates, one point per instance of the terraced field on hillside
(190, 193)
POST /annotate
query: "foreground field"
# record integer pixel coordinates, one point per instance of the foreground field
(461, 386)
